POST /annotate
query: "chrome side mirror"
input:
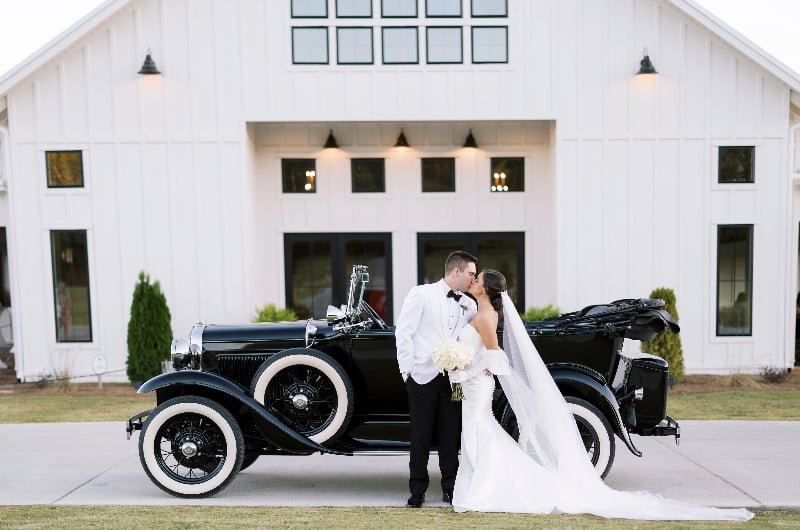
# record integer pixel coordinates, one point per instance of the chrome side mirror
(311, 331)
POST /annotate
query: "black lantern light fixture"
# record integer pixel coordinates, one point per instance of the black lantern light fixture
(149, 66)
(646, 65)
(470, 141)
(401, 140)
(330, 143)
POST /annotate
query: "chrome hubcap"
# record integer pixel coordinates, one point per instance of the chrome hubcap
(300, 401)
(189, 449)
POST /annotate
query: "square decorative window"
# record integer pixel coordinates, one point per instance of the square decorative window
(508, 174)
(309, 8)
(310, 45)
(438, 174)
(400, 45)
(399, 8)
(64, 169)
(353, 8)
(736, 164)
(299, 175)
(490, 44)
(489, 8)
(444, 45)
(443, 8)
(734, 280)
(73, 316)
(368, 175)
(354, 46)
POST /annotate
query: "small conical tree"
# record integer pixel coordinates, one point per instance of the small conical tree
(149, 331)
(667, 345)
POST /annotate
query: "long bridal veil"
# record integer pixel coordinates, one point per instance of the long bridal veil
(549, 435)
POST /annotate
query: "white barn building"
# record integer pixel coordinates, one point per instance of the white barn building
(212, 175)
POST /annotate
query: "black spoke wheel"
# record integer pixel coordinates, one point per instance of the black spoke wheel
(308, 391)
(191, 447)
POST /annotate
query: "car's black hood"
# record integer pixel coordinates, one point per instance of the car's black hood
(261, 332)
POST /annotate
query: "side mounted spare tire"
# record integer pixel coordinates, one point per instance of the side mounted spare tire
(308, 390)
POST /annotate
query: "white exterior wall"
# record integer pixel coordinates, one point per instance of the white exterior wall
(183, 170)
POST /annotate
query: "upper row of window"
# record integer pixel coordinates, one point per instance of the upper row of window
(367, 175)
(400, 45)
(399, 8)
(735, 165)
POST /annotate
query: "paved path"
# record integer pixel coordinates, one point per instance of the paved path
(721, 463)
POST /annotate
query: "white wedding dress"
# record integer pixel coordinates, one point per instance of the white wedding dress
(551, 474)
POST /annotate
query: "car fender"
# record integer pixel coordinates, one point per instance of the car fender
(267, 423)
(578, 381)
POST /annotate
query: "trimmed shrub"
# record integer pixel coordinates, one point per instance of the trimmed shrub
(667, 345)
(269, 313)
(534, 314)
(149, 331)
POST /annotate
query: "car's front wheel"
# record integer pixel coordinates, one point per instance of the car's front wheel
(191, 446)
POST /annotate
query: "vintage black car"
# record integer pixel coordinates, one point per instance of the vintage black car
(238, 392)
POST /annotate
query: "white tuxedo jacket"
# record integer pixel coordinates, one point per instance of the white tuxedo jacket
(427, 318)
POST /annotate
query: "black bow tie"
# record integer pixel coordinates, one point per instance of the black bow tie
(452, 294)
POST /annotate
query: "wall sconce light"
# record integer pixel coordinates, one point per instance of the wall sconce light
(646, 65)
(330, 143)
(310, 180)
(499, 182)
(149, 66)
(470, 141)
(401, 140)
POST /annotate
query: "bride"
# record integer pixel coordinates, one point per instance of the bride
(548, 473)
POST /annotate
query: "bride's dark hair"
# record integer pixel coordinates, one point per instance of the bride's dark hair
(494, 283)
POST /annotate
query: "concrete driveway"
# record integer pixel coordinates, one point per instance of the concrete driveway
(721, 463)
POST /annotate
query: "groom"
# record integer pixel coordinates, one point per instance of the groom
(432, 313)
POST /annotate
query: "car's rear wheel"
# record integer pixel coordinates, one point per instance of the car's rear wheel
(191, 446)
(593, 427)
(307, 390)
(596, 434)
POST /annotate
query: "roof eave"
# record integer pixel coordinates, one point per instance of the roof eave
(60, 43)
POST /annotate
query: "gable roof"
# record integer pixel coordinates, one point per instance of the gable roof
(59, 43)
(739, 42)
(697, 13)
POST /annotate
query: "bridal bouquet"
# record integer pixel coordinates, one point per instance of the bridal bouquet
(452, 355)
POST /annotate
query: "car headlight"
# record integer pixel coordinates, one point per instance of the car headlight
(186, 355)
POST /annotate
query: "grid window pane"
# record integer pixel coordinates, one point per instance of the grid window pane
(299, 175)
(438, 174)
(443, 8)
(354, 8)
(734, 280)
(736, 165)
(489, 8)
(490, 44)
(400, 46)
(64, 169)
(73, 316)
(399, 8)
(310, 45)
(444, 45)
(354, 45)
(368, 175)
(507, 174)
(309, 8)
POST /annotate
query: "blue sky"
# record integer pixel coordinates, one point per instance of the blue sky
(27, 25)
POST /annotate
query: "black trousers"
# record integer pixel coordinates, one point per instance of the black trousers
(431, 411)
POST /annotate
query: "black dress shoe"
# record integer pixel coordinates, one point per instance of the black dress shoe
(447, 496)
(415, 501)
